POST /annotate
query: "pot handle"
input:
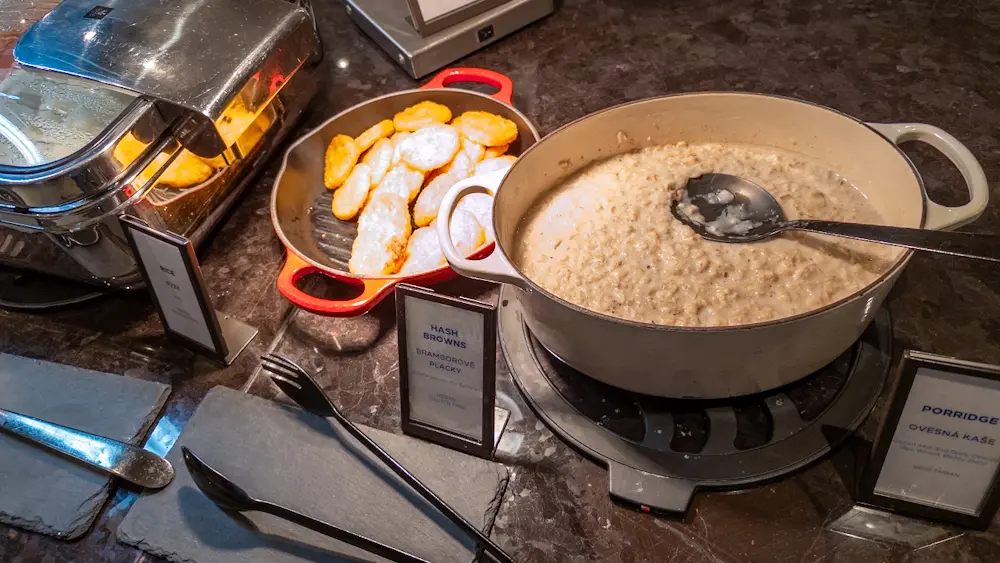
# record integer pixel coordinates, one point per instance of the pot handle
(493, 267)
(480, 75)
(296, 268)
(940, 217)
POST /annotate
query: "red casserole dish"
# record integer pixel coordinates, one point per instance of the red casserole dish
(318, 242)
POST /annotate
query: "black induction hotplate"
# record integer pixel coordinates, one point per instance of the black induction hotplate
(660, 451)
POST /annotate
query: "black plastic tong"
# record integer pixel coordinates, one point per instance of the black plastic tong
(301, 388)
(230, 496)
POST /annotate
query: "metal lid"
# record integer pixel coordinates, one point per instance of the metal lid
(45, 117)
(205, 57)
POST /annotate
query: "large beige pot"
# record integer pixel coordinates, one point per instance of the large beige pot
(722, 361)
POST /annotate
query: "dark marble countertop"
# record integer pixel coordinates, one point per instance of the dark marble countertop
(932, 62)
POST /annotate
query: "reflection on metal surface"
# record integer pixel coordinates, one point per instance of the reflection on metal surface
(98, 453)
(79, 162)
(117, 458)
(46, 116)
(188, 133)
(29, 153)
(255, 131)
(255, 45)
(22, 290)
(189, 211)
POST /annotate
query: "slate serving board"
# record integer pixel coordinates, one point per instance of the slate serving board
(47, 492)
(285, 455)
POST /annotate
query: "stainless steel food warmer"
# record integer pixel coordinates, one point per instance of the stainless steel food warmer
(160, 109)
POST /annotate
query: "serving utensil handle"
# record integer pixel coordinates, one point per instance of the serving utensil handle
(351, 538)
(133, 464)
(968, 245)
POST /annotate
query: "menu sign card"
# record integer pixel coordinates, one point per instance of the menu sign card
(938, 453)
(170, 269)
(447, 358)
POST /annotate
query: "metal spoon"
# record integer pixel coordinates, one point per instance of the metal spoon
(727, 208)
(129, 462)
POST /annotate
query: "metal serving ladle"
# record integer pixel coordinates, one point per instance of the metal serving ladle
(727, 208)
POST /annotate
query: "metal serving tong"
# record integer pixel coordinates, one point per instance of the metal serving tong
(302, 389)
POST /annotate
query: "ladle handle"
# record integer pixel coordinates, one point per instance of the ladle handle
(969, 245)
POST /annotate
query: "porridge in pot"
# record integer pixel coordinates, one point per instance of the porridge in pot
(605, 239)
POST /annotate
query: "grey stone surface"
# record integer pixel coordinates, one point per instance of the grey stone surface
(298, 460)
(47, 492)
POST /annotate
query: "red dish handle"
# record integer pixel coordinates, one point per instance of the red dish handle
(451, 75)
(295, 269)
